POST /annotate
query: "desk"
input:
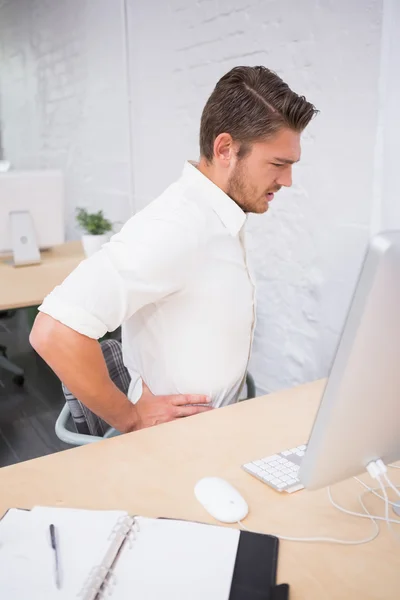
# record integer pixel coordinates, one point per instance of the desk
(152, 473)
(27, 286)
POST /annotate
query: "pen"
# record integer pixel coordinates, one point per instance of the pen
(54, 545)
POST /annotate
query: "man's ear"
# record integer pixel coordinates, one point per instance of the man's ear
(224, 150)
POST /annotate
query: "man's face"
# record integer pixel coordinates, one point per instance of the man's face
(263, 171)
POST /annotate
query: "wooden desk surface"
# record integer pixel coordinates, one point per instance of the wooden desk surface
(27, 286)
(153, 473)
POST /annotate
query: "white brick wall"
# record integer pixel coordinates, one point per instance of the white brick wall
(64, 103)
(63, 100)
(386, 211)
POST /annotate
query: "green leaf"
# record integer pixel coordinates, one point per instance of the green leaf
(93, 223)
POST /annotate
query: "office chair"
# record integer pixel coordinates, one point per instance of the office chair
(5, 362)
(90, 428)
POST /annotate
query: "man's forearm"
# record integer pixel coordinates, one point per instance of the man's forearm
(79, 363)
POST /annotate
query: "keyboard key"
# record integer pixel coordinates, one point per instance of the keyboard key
(303, 447)
(270, 458)
(295, 468)
(293, 450)
(290, 481)
(258, 463)
(300, 453)
(252, 468)
(267, 477)
(273, 463)
(287, 479)
(286, 471)
(286, 453)
(280, 485)
(275, 481)
(280, 460)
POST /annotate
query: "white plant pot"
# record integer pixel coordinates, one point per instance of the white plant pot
(93, 243)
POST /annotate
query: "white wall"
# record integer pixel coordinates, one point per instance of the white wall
(386, 213)
(62, 86)
(63, 98)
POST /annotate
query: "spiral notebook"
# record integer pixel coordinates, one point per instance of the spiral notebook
(111, 554)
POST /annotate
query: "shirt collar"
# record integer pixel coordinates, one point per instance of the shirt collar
(203, 189)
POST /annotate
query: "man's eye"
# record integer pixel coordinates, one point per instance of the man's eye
(278, 164)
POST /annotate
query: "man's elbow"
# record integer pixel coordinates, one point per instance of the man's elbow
(42, 333)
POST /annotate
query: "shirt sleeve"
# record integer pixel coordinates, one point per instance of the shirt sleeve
(148, 260)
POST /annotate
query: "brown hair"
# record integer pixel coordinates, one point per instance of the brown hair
(251, 103)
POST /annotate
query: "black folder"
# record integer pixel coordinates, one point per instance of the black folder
(254, 575)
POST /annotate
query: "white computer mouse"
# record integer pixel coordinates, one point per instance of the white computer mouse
(221, 500)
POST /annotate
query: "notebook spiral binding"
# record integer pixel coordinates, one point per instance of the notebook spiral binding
(101, 579)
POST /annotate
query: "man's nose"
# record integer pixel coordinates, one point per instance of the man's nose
(285, 178)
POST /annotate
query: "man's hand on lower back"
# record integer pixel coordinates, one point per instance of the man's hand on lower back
(153, 410)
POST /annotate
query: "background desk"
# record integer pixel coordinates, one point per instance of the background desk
(152, 472)
(28, 286)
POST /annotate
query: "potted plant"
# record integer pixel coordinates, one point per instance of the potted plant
(97, 229)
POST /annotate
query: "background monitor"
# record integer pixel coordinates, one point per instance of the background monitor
(41, 193)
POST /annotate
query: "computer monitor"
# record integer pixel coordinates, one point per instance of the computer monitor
(32, 199)
(358, 420)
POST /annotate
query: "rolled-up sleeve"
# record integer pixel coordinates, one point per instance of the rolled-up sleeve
(148, 260)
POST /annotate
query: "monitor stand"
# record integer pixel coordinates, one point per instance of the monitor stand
(23, 239)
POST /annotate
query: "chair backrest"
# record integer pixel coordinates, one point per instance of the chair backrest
(85, 420)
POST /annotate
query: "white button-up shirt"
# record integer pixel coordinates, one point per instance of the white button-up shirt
(176, 278)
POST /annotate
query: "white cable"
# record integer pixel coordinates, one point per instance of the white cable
(394, 466)
(333, 540)
(366, 515)
(395, 521)
(388, 521)
(377, 469)
(391, 485)
(374, 491)
(386, 501)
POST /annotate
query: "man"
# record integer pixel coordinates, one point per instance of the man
(176, 276)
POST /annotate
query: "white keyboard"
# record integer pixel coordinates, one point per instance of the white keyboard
(280, 471)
